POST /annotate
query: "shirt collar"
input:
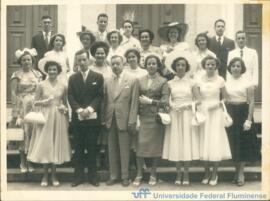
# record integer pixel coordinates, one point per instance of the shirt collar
(49, 33)
(221, 38)
(87, 71)
(152, 77)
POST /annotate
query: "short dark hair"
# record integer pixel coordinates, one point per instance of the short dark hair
(208, 57)
(102, 15)
(159, 63)
(53, 39)
(202, 35)
(235, 59)
(120, 37)
(82, 52)
(46, 17)
(52, 63)
(151, 34)
(238, 32)
(178, 59)
(130, 22)
(98, 44)
(220, 20)
(19, 60)
(92, 37)
(135, 51)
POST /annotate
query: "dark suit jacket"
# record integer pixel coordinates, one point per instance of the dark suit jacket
(221, 52)
(83, 94)
(38, 42)
(124, 104)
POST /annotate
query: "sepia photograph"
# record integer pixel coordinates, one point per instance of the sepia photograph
(141, 100)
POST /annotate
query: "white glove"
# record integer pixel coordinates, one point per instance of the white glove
(247, 125)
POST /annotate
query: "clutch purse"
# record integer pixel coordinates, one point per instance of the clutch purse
(227, 118)
(163, 118)
(198, 117)
(34, 118)
(15, 134)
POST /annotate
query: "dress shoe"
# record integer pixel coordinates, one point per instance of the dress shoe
(213, 182)
(112, 182)
(76, 182)
(94, 182)
(125, 182)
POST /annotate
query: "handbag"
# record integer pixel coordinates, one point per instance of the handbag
(227, 118)
(198, 117)
(15, 134)
(34, 118)
(163, 117)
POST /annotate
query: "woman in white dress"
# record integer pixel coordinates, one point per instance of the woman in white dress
(129, 41)
(174, 35)
(181, 138)
(214, 144)
(132, 56)
(115, 39)
(202, 42)
(58, 42)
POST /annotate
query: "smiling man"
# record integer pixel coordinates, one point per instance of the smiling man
(102, 22)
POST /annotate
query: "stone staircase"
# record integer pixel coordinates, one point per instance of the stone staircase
(166, 169)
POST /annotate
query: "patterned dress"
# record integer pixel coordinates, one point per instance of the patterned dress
(23, 101)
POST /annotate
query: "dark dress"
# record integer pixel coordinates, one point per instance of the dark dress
(151, 133)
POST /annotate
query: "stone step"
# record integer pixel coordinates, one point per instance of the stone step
(164, 173)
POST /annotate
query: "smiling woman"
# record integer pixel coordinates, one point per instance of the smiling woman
(49, 144)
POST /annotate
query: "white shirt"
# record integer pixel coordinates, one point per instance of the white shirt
(250, 58)
(49, 35)
(136, 73)
(221, 39)
(131, 42)
(102, 36)
(85, 73)
(237, 89)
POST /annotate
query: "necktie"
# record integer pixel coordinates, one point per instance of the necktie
(116, 85)
(84, 76)
(219, 41)
(241, 53)
(47, 39)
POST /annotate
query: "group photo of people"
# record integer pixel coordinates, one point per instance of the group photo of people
(123, 104)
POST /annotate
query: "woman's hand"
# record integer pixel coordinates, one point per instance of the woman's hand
(145, 100)
(18, 121)
(63, 109)
(247, 125)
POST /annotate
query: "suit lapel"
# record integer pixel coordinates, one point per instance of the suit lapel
(122, 84)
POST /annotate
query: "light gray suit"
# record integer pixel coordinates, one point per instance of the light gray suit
(120, 110)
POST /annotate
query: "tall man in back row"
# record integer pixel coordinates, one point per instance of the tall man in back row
(221, 45)
(41, 40)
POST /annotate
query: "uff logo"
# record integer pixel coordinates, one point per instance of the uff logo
(142, 193)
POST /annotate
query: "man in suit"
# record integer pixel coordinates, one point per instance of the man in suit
(248, 55)
(102, 22)
(120, 115)
(41, 40)
(85, 93)
(221, 45)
